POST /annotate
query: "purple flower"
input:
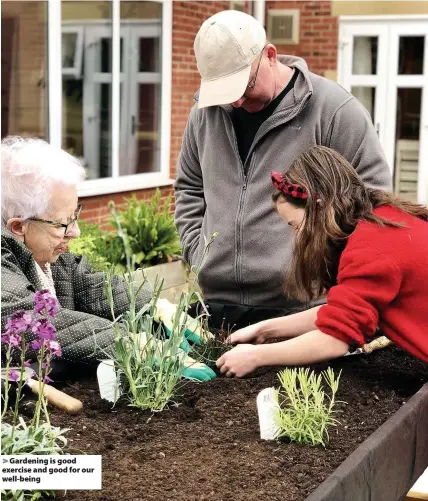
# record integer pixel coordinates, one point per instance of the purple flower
(5, 338)
(45, 300)
(48, 380)
(11, 339)
(54, 347)
(13, 375)
(15, 340)
(36, 344)
(44, 329)
(19, 322)
(27, 363)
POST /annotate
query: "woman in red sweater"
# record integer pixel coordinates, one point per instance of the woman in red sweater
(366, 248)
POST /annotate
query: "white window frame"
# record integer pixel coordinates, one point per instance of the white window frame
(116, 183)
(76, 70)
(388, 80)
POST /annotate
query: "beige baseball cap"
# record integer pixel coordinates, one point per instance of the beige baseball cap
(225, 47)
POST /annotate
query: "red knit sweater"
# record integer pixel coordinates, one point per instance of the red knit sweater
(382, 280)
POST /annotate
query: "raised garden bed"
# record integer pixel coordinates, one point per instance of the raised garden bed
(208, 446)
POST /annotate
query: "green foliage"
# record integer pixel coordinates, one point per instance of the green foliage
(305, 410)
(148, 365)
(42, 439)
(147, 228)
(95, 245)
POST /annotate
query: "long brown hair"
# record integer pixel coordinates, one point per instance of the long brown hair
(337, 201)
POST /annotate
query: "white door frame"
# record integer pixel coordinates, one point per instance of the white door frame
(388, 29)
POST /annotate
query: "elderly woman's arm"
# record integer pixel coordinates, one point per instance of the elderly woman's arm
(74, 273)
(82, 336)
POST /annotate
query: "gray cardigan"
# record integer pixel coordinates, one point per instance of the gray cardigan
(84, 321)
(248, 259)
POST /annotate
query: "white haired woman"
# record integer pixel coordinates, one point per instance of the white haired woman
(40, 213)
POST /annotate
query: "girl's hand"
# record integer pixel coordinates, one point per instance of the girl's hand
(239, 361)
(250, 334)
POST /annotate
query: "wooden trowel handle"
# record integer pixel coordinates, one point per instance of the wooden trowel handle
(57, 397)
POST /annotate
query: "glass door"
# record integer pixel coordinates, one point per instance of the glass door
(97, 83)
(385, 66)
(140, 84)
(406, 144)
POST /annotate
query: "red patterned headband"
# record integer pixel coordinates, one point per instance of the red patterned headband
(282, 185)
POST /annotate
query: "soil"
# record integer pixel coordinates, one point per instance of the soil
(207, 446)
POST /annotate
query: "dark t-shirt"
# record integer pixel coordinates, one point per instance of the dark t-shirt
(247, 124)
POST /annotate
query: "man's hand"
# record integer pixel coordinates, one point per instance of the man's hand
(239, 361)
(250, 334)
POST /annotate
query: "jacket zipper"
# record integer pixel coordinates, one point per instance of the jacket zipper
(238, 265)
(238, 238)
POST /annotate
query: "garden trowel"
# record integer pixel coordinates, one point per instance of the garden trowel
(55, 397)
(376, 344)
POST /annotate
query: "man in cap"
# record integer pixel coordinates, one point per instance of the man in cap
(255, 112)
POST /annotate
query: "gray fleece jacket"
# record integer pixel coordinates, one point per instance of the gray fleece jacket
(247, 261)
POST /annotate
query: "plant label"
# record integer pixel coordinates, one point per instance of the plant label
(268, 407)
(108, 381)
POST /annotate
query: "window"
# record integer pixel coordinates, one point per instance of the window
(116, 113)
(72, 51)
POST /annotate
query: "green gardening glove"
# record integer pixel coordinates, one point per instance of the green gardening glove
(196, 370)
(165, 313)
(192, 369)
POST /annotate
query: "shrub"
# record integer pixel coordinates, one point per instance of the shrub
(147, 228)
(305, 410)
(94, 244)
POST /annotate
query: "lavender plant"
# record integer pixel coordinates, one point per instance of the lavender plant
(305, 410)
(30, 332)
(149, 364)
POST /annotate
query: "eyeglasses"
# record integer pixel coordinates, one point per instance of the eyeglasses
(67, 227)
(253, 81)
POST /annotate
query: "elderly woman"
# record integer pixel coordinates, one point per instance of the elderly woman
(40, 213)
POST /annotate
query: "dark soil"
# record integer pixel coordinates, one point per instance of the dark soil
(207, 447)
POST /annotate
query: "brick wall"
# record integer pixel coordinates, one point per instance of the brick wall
(95, 209)
(24, 46)
(318, 34)
(317, 45)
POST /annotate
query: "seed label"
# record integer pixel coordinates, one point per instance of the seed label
(108, 381)
(267, 406)
(56, 472)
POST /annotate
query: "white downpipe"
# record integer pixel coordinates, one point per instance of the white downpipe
(115, 89)
(54, 70)
(259, 11)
